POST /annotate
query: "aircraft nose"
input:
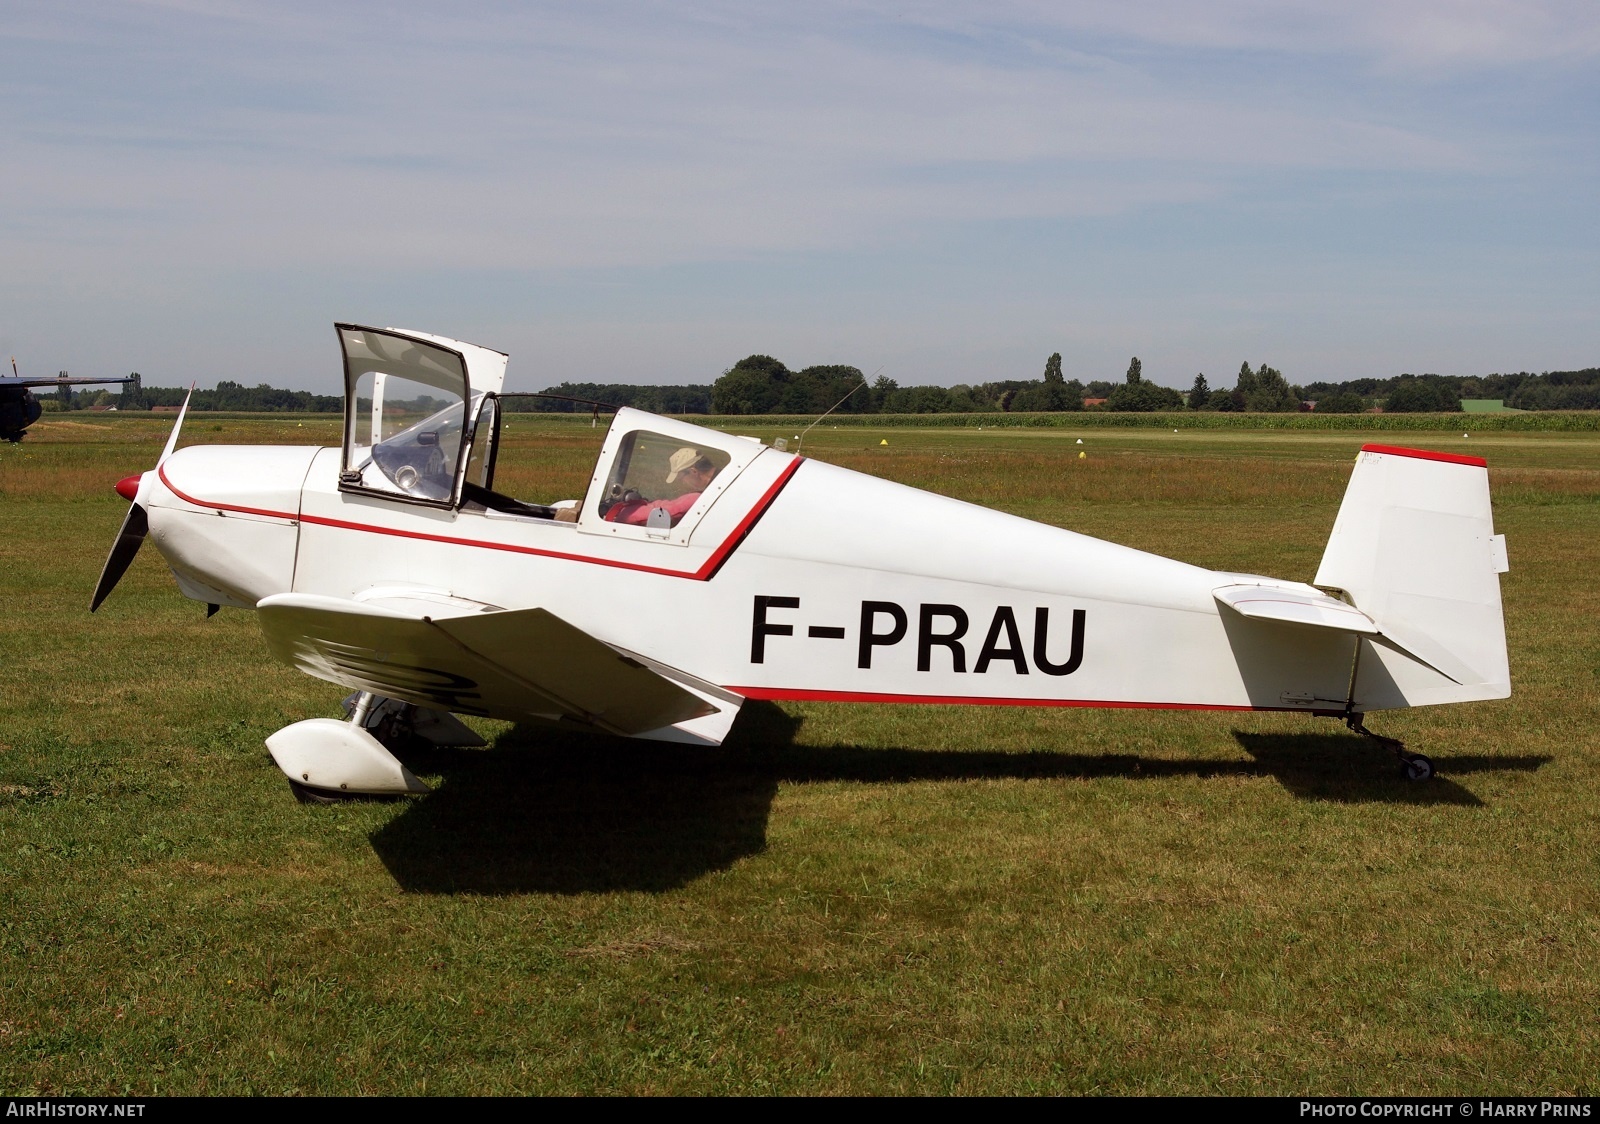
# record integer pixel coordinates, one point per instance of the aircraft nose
(128, 487)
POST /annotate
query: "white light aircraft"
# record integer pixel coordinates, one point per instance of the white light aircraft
(702, 569)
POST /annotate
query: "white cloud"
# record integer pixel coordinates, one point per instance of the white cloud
(538, 140)
(1431, 33)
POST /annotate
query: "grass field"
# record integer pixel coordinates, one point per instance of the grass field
(842, 899)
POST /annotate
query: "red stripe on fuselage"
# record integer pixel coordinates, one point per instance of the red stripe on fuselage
(1426, 455)
(789, 694)
(704, 573)
(161, 471)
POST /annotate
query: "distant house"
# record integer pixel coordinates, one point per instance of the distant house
(1087, 402)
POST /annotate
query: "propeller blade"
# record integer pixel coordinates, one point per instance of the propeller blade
(135, 525)
(172, 439)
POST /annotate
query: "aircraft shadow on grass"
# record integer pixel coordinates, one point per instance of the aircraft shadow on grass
(545, 812)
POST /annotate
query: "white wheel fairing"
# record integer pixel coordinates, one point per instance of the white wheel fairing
(328, 754)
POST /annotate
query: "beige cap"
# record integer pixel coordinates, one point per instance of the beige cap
(681, 460)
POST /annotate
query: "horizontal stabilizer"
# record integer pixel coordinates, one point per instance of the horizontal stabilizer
(1310, 606)
(1290, 606)
(525, 663)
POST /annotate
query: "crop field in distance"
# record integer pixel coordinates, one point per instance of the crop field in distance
(842, 899)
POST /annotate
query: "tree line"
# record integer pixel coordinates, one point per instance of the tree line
(227, 396)
(760, 384)
(656, 399)
(1551, 390)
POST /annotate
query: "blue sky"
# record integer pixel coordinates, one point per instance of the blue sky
(946, 192)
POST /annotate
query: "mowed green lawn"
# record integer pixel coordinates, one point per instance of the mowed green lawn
(841, 900)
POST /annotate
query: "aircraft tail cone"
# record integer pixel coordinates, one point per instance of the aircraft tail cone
(135, 524)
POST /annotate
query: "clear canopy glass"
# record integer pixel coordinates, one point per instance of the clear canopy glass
(405, 414)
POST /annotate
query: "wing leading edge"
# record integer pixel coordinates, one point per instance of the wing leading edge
(475, 659)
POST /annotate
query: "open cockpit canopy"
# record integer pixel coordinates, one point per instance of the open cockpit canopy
(411, 404)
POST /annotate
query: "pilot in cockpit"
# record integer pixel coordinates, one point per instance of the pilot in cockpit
(688, 468)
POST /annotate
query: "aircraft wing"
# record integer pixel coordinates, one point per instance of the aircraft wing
(469, 658)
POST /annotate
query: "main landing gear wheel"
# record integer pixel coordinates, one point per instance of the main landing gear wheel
(306, 794)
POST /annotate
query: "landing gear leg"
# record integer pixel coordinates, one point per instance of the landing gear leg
(397, 724)
(1413, 766)
(388, 720)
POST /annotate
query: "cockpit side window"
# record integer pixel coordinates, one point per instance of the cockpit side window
(406, 411)
(656, 479)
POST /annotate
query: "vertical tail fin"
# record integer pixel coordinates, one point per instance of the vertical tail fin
(1414, 548)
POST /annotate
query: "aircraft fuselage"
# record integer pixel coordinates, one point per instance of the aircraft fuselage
(800, 580)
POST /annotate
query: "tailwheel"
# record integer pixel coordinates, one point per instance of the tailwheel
(1415, 767)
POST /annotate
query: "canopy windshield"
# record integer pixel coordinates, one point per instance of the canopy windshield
(367, 350)
(405, 407)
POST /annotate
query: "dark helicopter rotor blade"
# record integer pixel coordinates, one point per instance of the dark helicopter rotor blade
(135, 525)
